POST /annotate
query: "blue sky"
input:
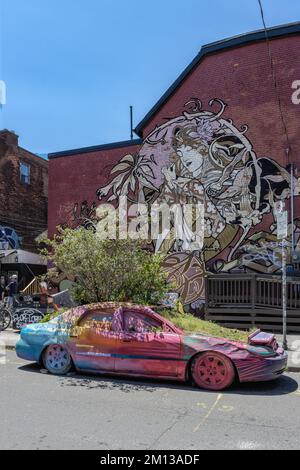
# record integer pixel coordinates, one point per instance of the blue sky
(73, 67)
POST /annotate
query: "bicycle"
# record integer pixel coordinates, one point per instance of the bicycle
(5, 315)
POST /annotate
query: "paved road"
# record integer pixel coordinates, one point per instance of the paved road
(40, 411)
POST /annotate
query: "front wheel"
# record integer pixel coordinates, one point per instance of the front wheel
(57, 360)
(5, 319)
(212, 371)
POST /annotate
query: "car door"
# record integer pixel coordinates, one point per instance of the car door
(94, 344)
(144, 348)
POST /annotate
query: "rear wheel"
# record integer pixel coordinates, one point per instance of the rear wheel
(57, 360)
(212, 371)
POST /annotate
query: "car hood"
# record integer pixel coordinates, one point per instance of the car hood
(197, 336)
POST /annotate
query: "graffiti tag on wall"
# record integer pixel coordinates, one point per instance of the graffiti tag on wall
(8, 238)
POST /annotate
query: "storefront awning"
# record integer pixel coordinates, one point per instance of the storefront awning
(21, 257)
(6, 253)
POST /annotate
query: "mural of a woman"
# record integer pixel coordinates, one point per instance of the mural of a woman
(201, 157)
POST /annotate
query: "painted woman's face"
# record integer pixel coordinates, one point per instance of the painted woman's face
(191, 158)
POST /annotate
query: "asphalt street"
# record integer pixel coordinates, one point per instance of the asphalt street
(41, 411)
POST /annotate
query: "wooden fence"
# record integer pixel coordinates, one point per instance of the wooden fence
(247, 300)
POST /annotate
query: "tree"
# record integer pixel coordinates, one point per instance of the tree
(107, 270)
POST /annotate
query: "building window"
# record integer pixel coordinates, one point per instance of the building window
(25, 173)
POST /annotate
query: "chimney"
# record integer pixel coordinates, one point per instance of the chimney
(9, 141)
(9, 137)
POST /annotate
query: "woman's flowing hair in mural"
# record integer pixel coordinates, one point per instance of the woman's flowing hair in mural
(201, 156)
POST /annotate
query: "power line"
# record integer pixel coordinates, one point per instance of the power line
(275, 81)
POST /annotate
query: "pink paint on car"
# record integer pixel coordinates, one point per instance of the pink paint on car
(133, 340)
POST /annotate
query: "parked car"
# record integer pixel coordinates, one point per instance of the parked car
(133, 340)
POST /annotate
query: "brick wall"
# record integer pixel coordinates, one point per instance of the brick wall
(242, 78)
(23, 207)
(76, 178)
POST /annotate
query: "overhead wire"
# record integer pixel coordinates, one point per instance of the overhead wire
(275, 82)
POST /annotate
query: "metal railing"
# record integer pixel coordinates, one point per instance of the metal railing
(251, 299)
(32, 288)
(251, 290)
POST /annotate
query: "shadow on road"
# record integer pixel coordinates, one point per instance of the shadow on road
(282, 386)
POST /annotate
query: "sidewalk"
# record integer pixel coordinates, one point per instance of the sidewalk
(293, 342)
(10, 337)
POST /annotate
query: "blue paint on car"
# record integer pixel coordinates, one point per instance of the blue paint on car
(36, 337)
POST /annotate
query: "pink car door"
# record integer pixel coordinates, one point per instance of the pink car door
(144, 348)
(94, 344)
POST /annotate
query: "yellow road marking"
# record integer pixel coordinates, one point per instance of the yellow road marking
(226, 408)
(209, 412)
(202, 405)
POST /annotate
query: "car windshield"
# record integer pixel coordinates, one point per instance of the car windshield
(55, 320)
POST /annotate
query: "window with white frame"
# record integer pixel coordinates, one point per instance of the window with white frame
(25, 173)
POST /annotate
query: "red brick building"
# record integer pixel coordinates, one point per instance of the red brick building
(24, 194)
(229, 123)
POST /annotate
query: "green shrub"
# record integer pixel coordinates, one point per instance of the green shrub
(107, 270)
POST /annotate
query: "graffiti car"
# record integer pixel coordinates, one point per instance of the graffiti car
(133, 340)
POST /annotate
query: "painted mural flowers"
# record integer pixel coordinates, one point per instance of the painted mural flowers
(133, 172)
(206, 130)
(203, 149)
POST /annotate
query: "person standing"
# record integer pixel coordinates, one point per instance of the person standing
(46, 297)
(2, 288)
(12, 289)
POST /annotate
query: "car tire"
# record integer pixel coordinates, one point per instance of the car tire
(57, 360)
(212, 371)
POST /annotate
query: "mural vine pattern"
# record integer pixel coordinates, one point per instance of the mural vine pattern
(202, 156)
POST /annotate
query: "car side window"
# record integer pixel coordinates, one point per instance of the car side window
(135, 322)
(99, 320)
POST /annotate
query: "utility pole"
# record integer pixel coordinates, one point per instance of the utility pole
(284, 302)
(292, 209)
(131, 123)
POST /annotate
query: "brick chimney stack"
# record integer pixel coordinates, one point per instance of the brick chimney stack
(9, 141)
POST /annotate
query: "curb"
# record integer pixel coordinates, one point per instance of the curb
(10, 348)
(292, 369)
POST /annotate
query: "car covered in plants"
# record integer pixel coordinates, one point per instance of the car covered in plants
(126, 339)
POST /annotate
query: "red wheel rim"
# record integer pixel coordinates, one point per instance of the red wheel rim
(212, 371)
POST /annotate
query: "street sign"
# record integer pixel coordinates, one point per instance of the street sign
(279, 207)
(282, 225)
(282, 233)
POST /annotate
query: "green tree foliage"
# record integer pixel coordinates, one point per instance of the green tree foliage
(107, 270)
